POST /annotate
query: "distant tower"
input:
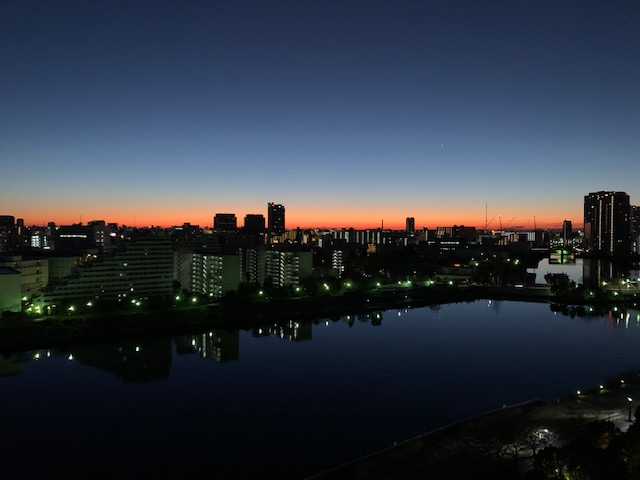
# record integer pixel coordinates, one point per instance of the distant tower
(7, 232)
(567, 233)
(410, 225)
(225, 222)
(607, 223)
(254, 223)
(275, 218)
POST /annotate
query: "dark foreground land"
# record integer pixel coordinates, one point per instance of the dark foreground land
(587, 436)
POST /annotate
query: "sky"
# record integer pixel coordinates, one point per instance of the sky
(349, 113)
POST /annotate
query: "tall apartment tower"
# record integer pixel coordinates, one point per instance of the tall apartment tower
(410, 225)
(567, 233)
(275, 218)
(607, 223)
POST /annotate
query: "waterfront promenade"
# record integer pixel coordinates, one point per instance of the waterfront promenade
(498, 444)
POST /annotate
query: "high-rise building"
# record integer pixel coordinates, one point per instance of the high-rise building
(275, 218)
(410, 225)
(567, 233)
(225, 222)
(7, 232)
(607, 223)
(635, 229)
(254, 224)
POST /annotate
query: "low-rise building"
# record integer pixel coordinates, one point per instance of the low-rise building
(10, 286)
(34, 272)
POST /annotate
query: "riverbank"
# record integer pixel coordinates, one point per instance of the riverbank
(498, 444)
(22, 334)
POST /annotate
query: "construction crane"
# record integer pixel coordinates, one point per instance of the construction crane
(509, 223)
(502, 229)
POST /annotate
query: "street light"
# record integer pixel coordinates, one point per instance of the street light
(630, 400)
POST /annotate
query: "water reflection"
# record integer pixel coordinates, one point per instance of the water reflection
(10, 365)
(346, 393)
(137, 362)
(150, 360)
(590, 272)
(219, 345)
(614, 316)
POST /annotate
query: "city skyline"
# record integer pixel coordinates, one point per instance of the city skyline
(347, 113)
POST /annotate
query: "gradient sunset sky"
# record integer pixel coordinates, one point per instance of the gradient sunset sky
(347, 112)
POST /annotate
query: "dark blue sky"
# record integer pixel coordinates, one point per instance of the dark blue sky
(347, 112)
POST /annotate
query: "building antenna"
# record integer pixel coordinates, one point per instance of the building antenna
(486, 223)
(383, 224)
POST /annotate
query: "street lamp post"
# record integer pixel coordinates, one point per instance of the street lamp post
(630, 400)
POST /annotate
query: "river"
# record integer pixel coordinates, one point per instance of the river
(294, 399)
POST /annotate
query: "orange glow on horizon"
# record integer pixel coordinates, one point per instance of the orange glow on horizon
(318, 221)
(302, 215)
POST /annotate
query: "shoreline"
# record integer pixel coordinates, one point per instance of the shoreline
(450, 451)
(21, 334)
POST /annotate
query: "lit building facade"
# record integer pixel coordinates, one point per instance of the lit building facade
(143, 266)
(607, 223)
(10, 286)
(283, 267)
(215, 275)
(34, 273)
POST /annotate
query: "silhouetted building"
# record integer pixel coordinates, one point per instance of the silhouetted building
(254, 224)
(275, 217)
(7, 233)
(635, 229)
(607, 223)
(567, 233)
(225, 222)
(410, 225)
(96, 235)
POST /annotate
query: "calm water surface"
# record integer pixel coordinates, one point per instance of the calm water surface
(297, 399)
